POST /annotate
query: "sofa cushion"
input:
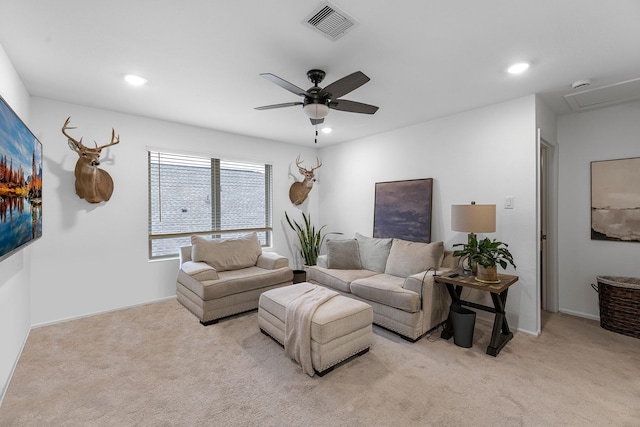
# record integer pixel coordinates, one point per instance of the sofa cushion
(407, 258)
(373, 252)
(336, 279)
(232, 282)
(343, 254)
(226, 254)
(387, 289)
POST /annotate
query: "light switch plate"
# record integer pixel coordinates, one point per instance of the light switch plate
(509, 202)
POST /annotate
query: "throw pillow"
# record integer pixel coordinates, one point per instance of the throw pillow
(407, 258)
(373, 252)
(226, 254)
(343, 254)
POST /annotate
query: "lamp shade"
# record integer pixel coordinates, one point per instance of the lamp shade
(473, 218)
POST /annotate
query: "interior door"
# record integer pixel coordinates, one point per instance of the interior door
(543, 226)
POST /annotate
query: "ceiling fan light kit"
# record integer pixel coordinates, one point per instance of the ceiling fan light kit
(318, 101)
(316, 110)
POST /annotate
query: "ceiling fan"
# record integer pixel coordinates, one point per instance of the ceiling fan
(317, 101)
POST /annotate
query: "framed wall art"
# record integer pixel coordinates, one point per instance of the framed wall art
(403, 210)
(615, 200)
(20, 183)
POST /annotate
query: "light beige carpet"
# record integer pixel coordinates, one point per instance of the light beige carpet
(155, 365)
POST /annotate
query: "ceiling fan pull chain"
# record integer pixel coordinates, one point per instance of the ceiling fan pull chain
(316, 139)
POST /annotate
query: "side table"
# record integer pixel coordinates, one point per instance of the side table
(501, 333)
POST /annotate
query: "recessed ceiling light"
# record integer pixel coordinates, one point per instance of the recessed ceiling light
(326, 130)
(518, 68)
(134, 80)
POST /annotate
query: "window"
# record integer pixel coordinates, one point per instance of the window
(205, 196)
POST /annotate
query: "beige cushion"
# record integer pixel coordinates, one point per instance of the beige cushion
(335, 318)
(232, 282)
(407, 258)
(226, 254)
(336, 279)
(387, 289)
(373, 252)
(343, 254)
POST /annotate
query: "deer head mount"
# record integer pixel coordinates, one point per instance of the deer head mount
(92, 183)
(300, 189)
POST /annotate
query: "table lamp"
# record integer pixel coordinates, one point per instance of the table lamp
(473, 219)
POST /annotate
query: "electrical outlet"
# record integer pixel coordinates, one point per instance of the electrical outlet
(509, 202)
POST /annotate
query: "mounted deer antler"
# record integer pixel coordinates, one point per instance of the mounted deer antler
(300, 189)
(92, 183)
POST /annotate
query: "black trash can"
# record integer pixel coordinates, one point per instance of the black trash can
(463, 321)
(299, 276)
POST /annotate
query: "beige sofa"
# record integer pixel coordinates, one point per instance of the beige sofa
(394, 276)
(222, 277)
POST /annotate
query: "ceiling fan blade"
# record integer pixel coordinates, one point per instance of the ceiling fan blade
(285, 84)
(271, 107)
(352, 106)
(317, 121)
(345, 85)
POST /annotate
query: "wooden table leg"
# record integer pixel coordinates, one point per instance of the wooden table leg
(501, 334)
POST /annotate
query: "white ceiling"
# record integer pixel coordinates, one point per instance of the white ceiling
(425, 58)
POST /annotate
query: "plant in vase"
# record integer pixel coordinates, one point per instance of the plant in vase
(310, 239)
(487, 254)
(467, 253)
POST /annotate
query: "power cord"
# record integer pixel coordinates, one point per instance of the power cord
(430, 336)
(435, 273)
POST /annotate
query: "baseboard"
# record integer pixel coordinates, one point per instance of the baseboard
(5, 387)
(487, 318)
(580, 314)
(54, 322)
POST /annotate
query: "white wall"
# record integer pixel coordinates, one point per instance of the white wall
(15, 271)
(481, 155)
(609, 133)
(94, 257)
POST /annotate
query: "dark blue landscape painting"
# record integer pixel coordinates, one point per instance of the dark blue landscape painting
(403, 210)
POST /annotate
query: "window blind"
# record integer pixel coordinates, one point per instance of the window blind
(205, 196)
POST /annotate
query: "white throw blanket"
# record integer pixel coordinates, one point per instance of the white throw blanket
(297, 325)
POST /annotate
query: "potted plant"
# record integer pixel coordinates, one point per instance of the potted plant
(487, 254)
(310, 239)
(467, 253)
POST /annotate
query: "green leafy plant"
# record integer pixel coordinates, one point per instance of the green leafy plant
(310, 239)
(467, 253)
(488, 253)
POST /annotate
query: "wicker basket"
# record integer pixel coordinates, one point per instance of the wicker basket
(620, 304)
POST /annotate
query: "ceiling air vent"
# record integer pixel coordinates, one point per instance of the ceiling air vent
(604, 96)
(330, 21)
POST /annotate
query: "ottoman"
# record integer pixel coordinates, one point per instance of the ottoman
(341, 328)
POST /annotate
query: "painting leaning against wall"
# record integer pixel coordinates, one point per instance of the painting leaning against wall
(615, 200)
